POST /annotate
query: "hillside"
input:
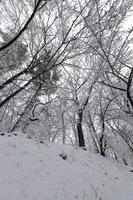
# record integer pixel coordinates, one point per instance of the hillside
(30, 170)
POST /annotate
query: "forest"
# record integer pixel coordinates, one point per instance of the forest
(66, 73)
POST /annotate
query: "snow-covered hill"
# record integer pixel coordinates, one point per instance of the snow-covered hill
(33, 171)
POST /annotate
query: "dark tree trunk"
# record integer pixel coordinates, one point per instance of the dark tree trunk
(79, 129)
(102, 140)
(102, 144)
(129, 84)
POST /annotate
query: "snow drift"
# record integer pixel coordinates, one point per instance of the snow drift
(30, 170)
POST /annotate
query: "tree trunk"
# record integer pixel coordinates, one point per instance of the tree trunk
(79, 129)
(102, 140)
(63, 129)
(129, 84)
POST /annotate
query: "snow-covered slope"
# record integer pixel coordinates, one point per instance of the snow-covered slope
(33, 171)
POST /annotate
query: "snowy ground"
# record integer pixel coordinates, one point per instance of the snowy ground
(33, 171)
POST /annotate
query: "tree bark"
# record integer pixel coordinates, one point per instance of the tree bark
(79, 129)
(129, 87)
(102, 140)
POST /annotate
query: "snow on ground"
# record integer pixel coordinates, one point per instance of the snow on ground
(33, 171)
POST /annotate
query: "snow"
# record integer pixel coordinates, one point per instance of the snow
(30, 170)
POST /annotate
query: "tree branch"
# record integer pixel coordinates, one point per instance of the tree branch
(24, 28)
